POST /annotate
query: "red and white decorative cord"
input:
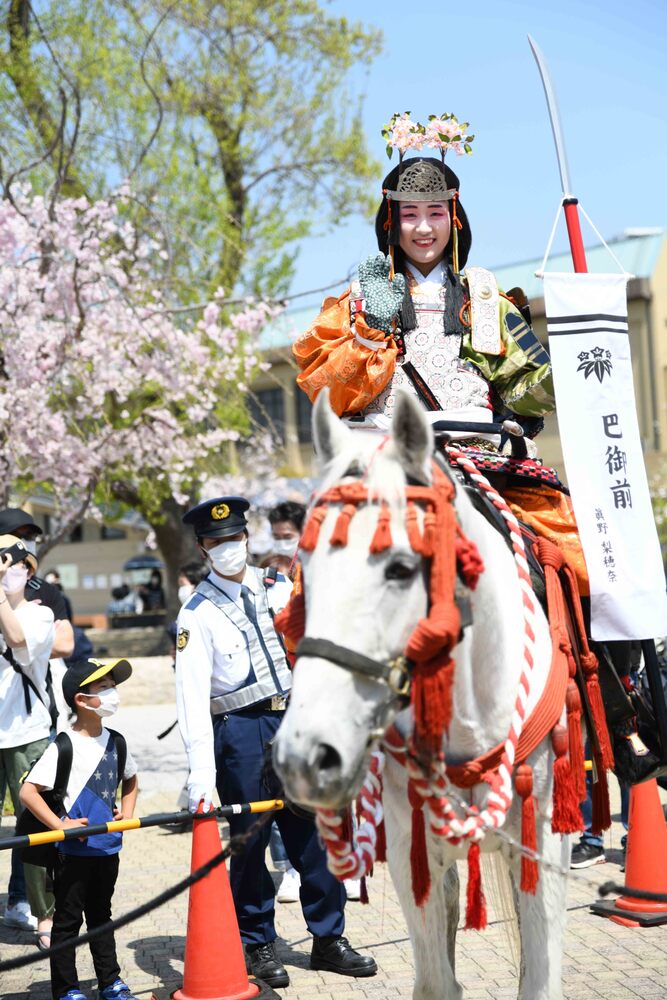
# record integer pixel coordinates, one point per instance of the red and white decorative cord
(345, 858)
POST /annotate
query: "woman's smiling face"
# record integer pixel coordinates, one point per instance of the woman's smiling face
(425, 231)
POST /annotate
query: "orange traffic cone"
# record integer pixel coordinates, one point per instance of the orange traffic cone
(645, 861)
(214, 960)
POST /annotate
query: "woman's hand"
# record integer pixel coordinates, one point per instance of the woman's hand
(383, 295)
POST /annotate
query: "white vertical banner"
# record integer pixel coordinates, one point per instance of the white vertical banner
(587, 323)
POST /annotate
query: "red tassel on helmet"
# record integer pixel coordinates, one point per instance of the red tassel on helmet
(311, 532)
(412, 527)
(421, 875)
(566, 816)
(523, 782)
(381, 540)
(475, 901)
(573, 705)
(341, 528)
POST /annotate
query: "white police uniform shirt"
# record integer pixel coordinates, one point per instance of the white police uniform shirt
(212, 659)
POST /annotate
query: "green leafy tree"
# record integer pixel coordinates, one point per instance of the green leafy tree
(234, 122)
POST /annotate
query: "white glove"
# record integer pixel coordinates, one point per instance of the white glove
(199, 793)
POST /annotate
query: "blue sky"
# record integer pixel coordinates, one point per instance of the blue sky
(608, 64)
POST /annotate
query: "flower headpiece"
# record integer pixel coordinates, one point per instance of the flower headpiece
(443, 132)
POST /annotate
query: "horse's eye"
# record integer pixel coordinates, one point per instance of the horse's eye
(397, 569)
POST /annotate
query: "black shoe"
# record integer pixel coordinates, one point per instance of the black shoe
(335, 954)
(265, 966)
(585, 855)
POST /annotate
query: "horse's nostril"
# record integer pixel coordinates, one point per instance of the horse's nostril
(327, 758)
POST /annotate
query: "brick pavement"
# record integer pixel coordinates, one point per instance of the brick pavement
(603, 961)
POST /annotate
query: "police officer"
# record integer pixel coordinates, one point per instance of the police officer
(232, 682)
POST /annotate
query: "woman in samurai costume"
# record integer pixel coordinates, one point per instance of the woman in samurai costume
(465, 349)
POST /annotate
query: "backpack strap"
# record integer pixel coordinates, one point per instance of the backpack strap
(63, 767)
(28, 684)
(121, 751)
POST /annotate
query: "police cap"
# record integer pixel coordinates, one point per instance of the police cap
(218, 518)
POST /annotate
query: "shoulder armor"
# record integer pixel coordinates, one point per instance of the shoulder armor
(484, 311)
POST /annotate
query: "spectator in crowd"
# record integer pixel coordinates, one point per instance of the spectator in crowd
(17, 522)
(286, 520)
(52, 576)
(26, 638)
(152, 593)
(123, 601)
(86, 871)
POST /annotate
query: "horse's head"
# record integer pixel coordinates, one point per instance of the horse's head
(365, 588)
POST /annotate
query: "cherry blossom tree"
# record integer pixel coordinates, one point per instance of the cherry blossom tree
(108, 393)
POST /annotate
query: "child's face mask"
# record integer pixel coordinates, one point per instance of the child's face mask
(109, 702)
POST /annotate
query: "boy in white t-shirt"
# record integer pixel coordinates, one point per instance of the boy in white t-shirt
(86, 870)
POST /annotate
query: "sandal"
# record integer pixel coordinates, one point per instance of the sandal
(38, 942)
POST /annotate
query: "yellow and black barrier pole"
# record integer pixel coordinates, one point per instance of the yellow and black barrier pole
(138, 823)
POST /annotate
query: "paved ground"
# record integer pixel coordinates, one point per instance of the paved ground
(603, 960)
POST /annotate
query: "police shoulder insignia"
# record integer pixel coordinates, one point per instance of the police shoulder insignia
(182, 639)
(220, 512)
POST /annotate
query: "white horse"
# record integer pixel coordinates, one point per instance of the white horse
(370, 604)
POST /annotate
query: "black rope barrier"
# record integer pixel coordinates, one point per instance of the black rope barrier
(612, 889)
(234, 846)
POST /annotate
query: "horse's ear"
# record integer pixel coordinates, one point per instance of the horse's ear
(412, 436)
(329, 434)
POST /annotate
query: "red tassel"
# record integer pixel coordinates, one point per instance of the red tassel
(475, 901)
(347, 826)
(599, 720)
(573, 704)
(566, 816)
(468, 559)
(363, 891)
(381, 540)
(601, 819)
(340, 532)
(523, 782)
(432, 701)
(381, 844)
(414, 535)
(311, 532)
(421, 875)
(430, 539)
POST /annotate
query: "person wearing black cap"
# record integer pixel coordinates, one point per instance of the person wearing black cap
(412, 321)
(232, 683)
(85, 872)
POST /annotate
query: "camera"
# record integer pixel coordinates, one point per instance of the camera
(18, 552)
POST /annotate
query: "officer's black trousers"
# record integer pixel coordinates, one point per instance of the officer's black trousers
(83, 886)
(241, 739)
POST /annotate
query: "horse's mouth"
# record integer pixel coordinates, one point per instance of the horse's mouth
(325, 791)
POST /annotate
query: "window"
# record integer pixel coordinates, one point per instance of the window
(76, 535)
(109, 534)
(267, 409)
(304, 410)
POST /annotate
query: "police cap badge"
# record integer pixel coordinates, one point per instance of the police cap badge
(220, 517)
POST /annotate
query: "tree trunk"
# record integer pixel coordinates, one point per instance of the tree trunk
(177, 546)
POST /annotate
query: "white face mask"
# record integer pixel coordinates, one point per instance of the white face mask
(109, 702)
(184, 592)
(286, 547)
(15, 579)
(229, 558)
